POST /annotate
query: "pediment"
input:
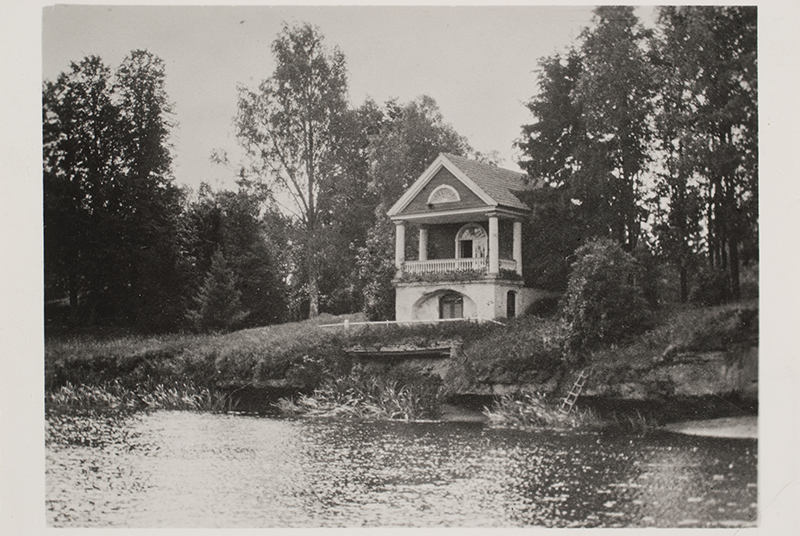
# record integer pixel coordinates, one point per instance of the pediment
(443, 186)
(454, 183)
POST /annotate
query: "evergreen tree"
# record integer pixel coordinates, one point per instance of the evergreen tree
(615, 92)
(711, 52)
(110, 207)
(588, 146)
(217, 304)
(239, 226)
(680, 104)
(569, 207)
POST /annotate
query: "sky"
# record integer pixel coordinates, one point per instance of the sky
(479, 66)
(478, 63)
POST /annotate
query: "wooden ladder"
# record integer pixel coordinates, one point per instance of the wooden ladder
(575, 392)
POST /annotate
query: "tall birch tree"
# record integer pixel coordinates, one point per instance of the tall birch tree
(288, 128)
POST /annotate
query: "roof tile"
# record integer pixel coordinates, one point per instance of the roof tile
(497, 182)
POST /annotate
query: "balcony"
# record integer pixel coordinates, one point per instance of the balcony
(447, 266)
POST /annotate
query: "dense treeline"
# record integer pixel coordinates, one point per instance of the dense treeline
(646, 137)
(650, 135)
(111, 211)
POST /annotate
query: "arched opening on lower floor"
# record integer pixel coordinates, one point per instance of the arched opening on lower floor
(443, 304)
(451, 305)
(511, 304)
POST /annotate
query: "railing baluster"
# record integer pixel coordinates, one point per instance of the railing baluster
(441, 266)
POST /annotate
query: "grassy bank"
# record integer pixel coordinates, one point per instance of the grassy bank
(680, 332)
(188, 371)
(301, 356)
(298, 351)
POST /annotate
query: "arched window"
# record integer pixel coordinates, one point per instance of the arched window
(451, 305)
(471, 242)
(443, 194)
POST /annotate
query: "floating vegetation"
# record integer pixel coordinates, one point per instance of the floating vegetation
(114, 395)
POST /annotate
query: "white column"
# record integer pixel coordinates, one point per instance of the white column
(494, 245)
(423, 243)
(399, 243)
(518, 245)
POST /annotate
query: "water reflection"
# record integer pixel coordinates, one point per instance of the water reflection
(181, 469)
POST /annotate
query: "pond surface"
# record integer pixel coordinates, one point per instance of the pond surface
(183, 469)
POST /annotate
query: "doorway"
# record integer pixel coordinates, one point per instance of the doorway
(465, 247)
(451, 305)
(511, 304)
(471, 242)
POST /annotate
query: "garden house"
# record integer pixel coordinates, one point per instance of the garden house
(467, 262)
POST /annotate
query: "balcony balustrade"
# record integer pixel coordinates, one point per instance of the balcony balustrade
(444, 266)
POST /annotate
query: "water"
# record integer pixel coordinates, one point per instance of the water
(183, 469)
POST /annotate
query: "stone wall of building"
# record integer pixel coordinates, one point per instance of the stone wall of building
(485, 299)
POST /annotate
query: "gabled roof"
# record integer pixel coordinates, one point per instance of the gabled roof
(494, 185)
(498, 183)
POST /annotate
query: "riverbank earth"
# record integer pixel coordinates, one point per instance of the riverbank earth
(697, 363)
(730, 427)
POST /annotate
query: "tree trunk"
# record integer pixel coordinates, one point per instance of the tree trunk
(684, 282)
(736, 291)
(733, 234)
(313, 286)
(313, 297)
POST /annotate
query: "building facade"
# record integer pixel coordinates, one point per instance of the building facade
(467, 262)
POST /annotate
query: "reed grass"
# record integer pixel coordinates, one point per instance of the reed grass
(363, 397)
(636, 423)
(113, 395)
(533, 410)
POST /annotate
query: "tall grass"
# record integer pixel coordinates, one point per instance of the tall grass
(365, 397)
(527, 411)
(114, 395)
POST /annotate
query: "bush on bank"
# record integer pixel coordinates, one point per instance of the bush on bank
(605, 300)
